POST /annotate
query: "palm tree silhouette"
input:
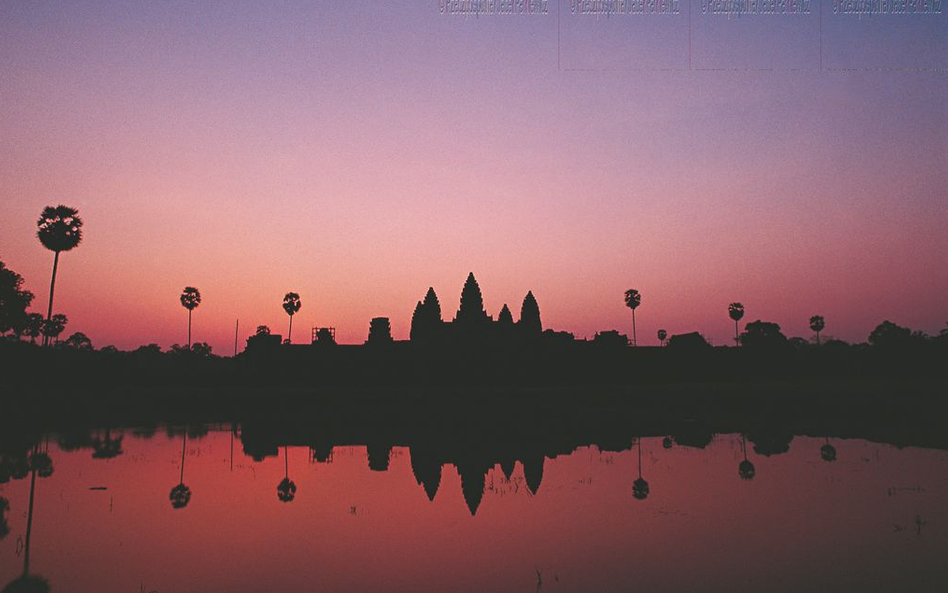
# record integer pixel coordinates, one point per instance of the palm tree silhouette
(180, 495)
(190, 299)
(817, 324)
(640, 486)
(53, 327)
(662, 334)
(106, 447)
(291, 304)
(286, 489)
(745, 469)
(34, 326)
(632, 300)
(736, 311)
(59, 229)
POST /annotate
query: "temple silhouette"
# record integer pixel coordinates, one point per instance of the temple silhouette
(472, 324)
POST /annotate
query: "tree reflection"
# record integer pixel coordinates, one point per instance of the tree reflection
(4, 525)
(640, 486)
(106, 446)
(745, 469)
(828, 451)
(180, 495)
(43, 464)
(28, 583)
(286, 489)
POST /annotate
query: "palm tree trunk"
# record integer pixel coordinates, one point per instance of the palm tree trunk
(289, 336)
(52, 286)
(634, 339)
(286, 461)
(189, 329)
(817, 338)
(184, 446)
(29, 520)
(640, 457)
(737, 339)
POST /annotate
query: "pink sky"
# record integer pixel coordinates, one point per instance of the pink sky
(358, 155)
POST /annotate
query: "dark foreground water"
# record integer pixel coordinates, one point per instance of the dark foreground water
(850, 516)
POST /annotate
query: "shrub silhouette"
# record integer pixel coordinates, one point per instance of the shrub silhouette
(762, 334)
(79, 341)
(13, 302)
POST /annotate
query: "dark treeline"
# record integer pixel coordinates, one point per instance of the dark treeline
(408, 364)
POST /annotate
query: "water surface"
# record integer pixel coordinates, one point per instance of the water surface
(828, 514)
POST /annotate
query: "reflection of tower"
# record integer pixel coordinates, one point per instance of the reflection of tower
(745, 469)
(533, 471)
(828, 451)
(473, 480)
(322, 452)
(180, 495)
(379, 454)
(507, 465)
(640, 486)
(427, 470)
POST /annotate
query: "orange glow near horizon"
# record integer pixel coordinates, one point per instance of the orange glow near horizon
(254, 152)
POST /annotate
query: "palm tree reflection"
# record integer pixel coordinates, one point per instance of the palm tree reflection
(107, 447)
(745, 469)
(286, 489)
(180, 495)
(27, 583)
(828, 451)
(640, 486)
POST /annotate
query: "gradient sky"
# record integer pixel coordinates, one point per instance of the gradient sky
(358, 152)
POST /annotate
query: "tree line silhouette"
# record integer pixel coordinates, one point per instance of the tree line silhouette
(472, 329)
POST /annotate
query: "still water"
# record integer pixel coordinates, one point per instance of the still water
(827, 515)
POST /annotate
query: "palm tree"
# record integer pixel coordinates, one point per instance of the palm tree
(291, 304)
(817, 324)
(736, 311)
(53, 327)
(190, 299)
(662, 334)
(632, 300)
(34, 326)
(286, 489)
(59, 229)
(180, 495)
